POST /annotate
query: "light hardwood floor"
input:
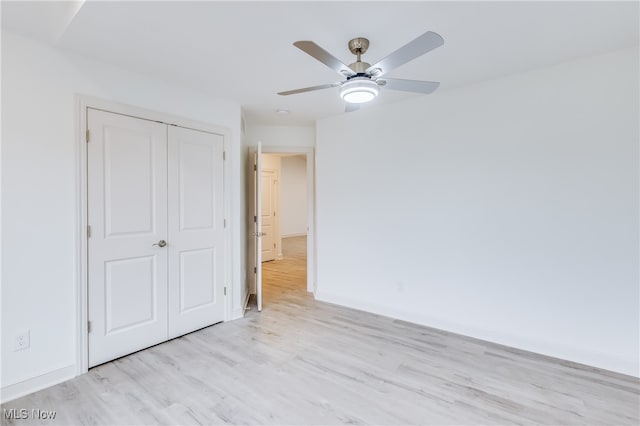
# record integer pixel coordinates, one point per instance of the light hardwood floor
(305, 362)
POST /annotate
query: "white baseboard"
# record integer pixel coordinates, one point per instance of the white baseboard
(237, 313)
(246, 302)
(304, 234)
(25, 387)
(554, 350)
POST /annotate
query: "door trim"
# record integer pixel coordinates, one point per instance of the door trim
(309, 152)
(83, 103)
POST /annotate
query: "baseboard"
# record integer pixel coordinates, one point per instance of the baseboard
(25, 387)
(304, 234)
(558, 351)
(246, 302)
(237, 313)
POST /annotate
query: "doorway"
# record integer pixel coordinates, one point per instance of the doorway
(295, 214)
(284, 225)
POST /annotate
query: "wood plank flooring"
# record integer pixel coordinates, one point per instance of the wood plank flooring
(286, 278)
(306, 362)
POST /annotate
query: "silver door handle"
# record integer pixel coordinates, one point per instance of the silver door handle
(260, 234)
(160, 243)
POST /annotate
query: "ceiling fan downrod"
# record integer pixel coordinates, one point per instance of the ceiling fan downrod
(358, 46)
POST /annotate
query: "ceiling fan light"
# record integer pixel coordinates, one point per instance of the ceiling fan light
(359, 90)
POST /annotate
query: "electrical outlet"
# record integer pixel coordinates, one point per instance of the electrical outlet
(22, 341)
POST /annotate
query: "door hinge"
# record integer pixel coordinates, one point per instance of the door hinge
(255, 168)
(225, 291)
(88, 231)
(88, 326)
(255, 270)
(274, 245)
(274, 214)
(87, 137)
(224, 155)
(225, 223)
(255, 219)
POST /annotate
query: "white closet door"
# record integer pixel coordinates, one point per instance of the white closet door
(196, 230)
(127, 215)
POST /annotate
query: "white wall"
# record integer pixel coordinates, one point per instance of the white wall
(293, 196)
(506, 210)
(281, 135)
(39, 183)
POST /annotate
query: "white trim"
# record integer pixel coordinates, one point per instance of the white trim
(34, 384)
(239, 312)
(246, 303)
(84, 102)
(309, 152)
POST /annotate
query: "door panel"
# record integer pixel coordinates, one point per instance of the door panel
(197, 195)
(196, 225)
(130, 289)
(197, 273)
(128, 163)
(127, 213)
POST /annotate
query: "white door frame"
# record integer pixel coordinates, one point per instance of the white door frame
(257, 173)
(84, 102)
(309, 152)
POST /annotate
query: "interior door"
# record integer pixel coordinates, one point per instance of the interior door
(258, 215)
(268, 178)
(127, 216)
(196, 230)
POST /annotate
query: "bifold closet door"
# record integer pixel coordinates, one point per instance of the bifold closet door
(196, 229)
(127, 215)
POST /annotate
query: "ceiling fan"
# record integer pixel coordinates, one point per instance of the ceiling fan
(363, 80)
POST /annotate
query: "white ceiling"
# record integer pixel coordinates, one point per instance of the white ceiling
(242, 51)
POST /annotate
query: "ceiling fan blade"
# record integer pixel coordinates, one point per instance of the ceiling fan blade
(309, 89)
(312, 49)
(351, 107)
(409, 85)
(423, 44)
